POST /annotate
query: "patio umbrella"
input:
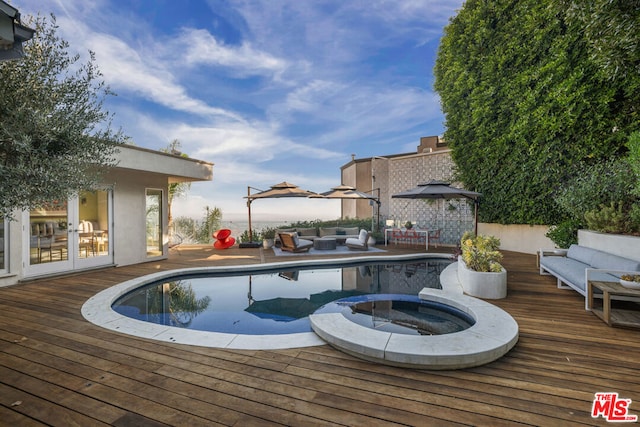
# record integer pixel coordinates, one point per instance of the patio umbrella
(441, 190)
(284, 189)
(348, 192)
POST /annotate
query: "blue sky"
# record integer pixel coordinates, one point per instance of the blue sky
(267, 90)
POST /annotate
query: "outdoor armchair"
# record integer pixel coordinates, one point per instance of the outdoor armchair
(292, 243)
(361, 243)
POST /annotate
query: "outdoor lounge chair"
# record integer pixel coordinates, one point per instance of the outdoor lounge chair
(292, 243)
(359, 244)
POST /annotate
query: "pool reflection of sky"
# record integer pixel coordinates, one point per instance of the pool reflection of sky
(266, 303)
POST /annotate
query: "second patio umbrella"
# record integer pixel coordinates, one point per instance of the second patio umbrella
(441, 190)
(348, 192)
(284, 189)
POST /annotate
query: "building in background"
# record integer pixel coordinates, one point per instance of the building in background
(395, 173)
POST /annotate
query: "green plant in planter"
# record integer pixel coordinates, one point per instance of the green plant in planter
(378, 236)
(268, 233)
(408, 225)
(480, 253)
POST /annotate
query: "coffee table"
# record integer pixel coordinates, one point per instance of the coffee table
(614, 316)
(324, 243)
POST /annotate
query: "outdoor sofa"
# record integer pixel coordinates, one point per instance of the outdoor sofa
(312, 233)
(576, 266)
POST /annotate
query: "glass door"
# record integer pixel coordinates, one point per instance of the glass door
(70, 235)
(4, 244)
(92, 243)
(48, 235)
(155, 244)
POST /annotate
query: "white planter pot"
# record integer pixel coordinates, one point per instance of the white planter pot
(267, 243)
(480, 284)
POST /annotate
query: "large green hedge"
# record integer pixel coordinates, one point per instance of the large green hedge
(528, 105)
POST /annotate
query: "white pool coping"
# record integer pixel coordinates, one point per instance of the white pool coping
(98, 311)
(494, 333)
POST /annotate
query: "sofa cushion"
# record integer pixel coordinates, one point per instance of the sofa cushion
(573, 271)
(307, 231)
(327, 231)
(582, 254)
(363, 236)
(350, 231)
(614, 262)
(285, 230)
(569, 269)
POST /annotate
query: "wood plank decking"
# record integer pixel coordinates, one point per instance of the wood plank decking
(58, 369)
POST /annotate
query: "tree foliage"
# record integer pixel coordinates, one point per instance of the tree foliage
(55, 138)
(527, 106)
(611, 30)
(176, 189)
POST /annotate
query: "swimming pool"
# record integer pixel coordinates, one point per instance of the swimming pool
(272, 301)
(493, 333)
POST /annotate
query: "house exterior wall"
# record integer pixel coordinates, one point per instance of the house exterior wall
(138, 169)
(129, 205)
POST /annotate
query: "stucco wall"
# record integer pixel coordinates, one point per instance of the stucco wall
(129, 200)
(518, 238)
(624, 246)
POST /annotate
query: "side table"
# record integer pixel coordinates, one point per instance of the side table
(324, 243)
(614, 316)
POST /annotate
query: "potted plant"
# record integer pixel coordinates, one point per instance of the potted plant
(268, 235)
(408, 225)
(376, 236)
(479, 270)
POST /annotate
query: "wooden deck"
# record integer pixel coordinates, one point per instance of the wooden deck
(58, 369)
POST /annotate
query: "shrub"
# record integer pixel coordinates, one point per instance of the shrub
(609, 219)
(564, 234)
(596, 185)
(244, 237)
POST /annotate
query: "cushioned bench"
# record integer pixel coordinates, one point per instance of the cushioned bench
(574, 267)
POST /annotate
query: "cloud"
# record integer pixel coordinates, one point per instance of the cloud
(294, 82)
(202, 48)
(126, 70)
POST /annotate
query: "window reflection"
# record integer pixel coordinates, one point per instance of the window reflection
(154, 222)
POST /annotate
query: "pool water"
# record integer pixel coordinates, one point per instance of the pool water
(271, 302)
(401, 314)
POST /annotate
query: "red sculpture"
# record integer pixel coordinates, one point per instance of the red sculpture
(223, 239)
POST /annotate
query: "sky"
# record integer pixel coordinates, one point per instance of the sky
(266, 90)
